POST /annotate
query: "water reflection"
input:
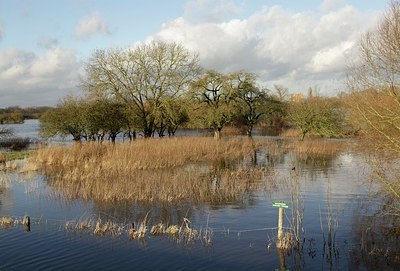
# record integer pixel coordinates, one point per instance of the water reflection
(133, 212)
(377, 240)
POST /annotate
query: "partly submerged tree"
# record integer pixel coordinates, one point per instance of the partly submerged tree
(252, 103)
(68, 118)
(143, 78)
(104, 117)
(214, 93)
(317, 115)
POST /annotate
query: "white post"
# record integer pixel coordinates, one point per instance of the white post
(280, 227)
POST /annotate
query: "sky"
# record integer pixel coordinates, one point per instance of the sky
(297, 44)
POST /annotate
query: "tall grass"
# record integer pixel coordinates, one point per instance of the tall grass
(151, 170)
(318, 147)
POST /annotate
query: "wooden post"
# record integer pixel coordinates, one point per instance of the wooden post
(280, 224)
(27, 223)
(281, 206)
(282, 260)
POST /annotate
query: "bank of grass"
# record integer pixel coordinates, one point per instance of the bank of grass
(8, 160)
(318, 147)
(196, 169)
(18, 155)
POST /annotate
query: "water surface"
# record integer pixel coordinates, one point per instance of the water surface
(244, 233)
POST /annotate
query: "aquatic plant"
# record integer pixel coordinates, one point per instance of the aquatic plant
(157, 229)
(318, 147)
(183, 234)
(152, 170)
(6, 221)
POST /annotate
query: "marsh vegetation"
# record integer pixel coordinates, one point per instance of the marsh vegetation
(195, 169)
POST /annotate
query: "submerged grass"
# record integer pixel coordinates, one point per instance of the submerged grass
(195, 169)
(182, 234)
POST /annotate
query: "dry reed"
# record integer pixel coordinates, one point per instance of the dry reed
(317, 147)
(149, 170)
(6, 221)
(183, 234)
(286, 242)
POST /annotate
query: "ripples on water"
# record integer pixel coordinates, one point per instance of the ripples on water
(243, 233)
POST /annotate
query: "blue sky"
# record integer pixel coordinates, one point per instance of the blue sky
(298, 44)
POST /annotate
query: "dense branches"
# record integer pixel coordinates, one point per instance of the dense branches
(144, 79)
(375, 83)
(317, 115)
(375, 99)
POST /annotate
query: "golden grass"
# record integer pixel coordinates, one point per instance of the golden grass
(318, 147)
(6, 221)
(183, 234)
(291, 133)
(151, 170)
(144, 154)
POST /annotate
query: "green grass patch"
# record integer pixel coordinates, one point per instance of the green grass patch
(18, 155)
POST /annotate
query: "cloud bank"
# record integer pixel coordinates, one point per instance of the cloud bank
(298, 50)
(44, 79)
(295, 49)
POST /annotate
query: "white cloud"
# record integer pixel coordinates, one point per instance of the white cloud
(91, 25)
(32, 79)
(297, 50)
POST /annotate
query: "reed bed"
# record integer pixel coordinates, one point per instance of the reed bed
(144, 154)
(318, 147)
(151, 170)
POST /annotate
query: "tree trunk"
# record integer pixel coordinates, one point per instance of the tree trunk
(217, 134)
(303, 136)
(250, 131)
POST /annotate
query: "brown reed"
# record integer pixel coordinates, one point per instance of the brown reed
(318, 147)
(152, 169)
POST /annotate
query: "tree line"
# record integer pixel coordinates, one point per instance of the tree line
(156, 88)
(16, 114)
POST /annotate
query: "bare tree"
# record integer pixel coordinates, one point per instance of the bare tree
(142, 78)
(374, 80)
(375, 98)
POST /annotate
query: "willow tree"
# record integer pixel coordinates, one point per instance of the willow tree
(67, 118)
(214, 93)
(142, 78)
(252, 103)
(317, 115)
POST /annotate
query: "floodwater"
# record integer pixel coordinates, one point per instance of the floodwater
(331, 189)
